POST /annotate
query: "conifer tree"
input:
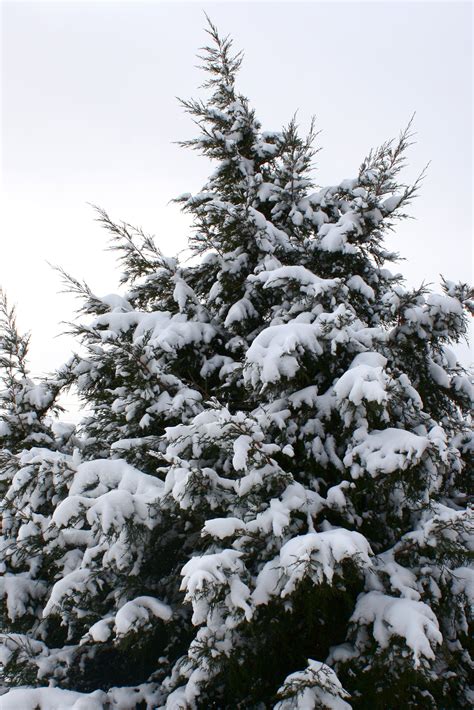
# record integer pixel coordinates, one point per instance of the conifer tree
(266, 506)
(25, 404)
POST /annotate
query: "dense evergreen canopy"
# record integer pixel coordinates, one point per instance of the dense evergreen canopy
(266, 505)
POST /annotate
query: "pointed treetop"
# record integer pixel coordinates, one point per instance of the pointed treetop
(13, 345)
(222, 64)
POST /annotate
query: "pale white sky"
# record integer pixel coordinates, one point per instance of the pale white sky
(89, 115)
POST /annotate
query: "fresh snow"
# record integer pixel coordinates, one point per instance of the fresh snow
(384, 451)
(315, 555)
(412, 621)
(51, 699)
(276, 350)
(316, 687)
(135, 613)
(272, 426)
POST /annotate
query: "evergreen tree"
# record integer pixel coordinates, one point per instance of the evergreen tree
(25, 404)
(267, 503)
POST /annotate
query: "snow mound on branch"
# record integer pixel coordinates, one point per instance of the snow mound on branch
(276, 350)
(357, 283)
(334, 237)
(442, 524)
(277, 517)
(116, 303)
(268, 236)
(138, 612)
(101, 631)
(411, 620)
(112, 491)
(364, 380)
(132, 616)
(38, 396)
(241, 449)
(108, 495)
(316, 687)
(391, 203)
(204, 578)
(384, 451)
(166, 332)
(21, 592)
(463, 582)
(314, 555)
(173, 333)
(122, 698)
(239, 311)
(97, 477)
(309, 283)
(52, 699)
(439, 375)
(182, 293)
(223, 527)
(71, 585)
(370, 359)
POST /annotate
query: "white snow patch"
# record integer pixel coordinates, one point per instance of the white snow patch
(274, 352)
(314, 555)
(413, 621)
(357, 283)
(316, 687)
(384, 451)
(51, 699)
(223, 527)
(308, 282)
(362, 382)
(138, 612)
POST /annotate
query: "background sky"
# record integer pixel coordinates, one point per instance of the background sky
(89, 115)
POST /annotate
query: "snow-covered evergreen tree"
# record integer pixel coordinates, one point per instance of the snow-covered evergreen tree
(267, 503)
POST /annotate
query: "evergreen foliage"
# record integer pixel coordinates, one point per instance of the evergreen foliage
(267, 504)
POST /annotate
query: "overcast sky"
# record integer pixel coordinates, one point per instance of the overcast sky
(89, 114)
